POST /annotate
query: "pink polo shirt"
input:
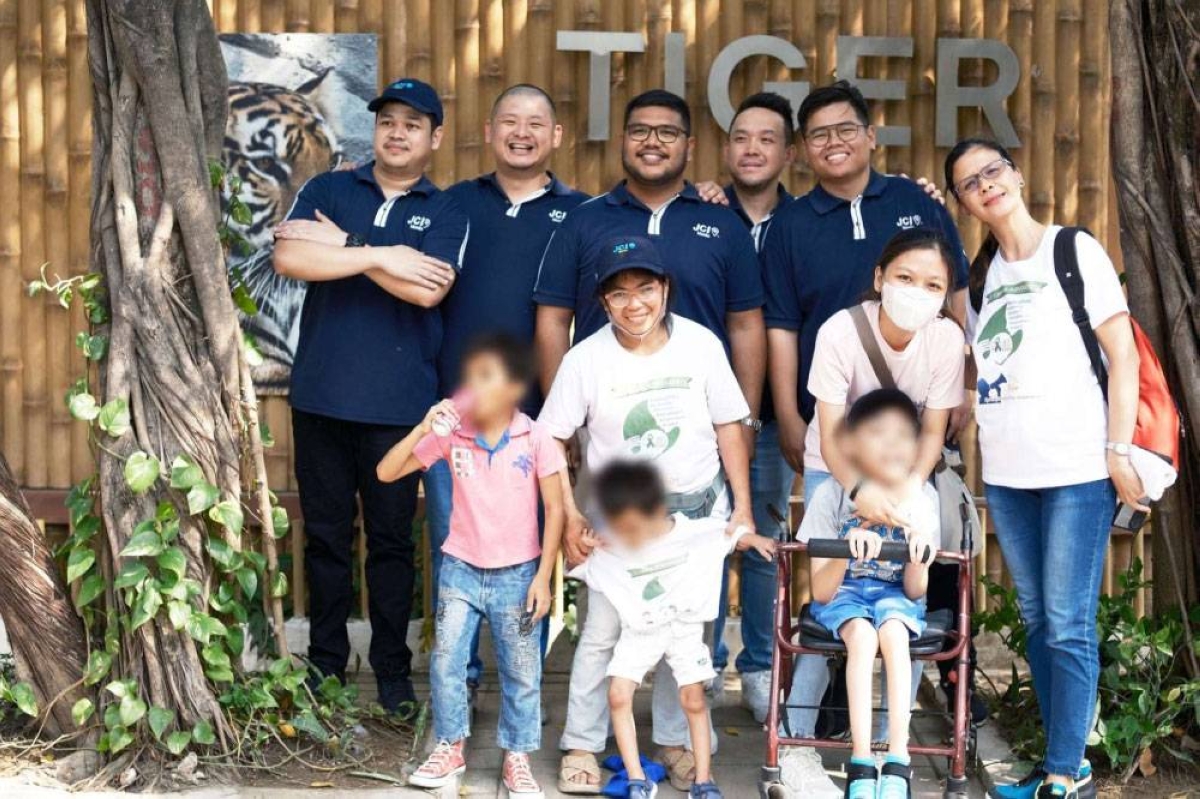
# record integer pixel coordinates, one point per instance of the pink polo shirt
(494, 520)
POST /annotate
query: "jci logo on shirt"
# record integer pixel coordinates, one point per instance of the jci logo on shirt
(909, 222)
(558, 215)
(419, 222)
(706, 231)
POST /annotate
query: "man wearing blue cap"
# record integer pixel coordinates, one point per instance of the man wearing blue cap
(379, 246)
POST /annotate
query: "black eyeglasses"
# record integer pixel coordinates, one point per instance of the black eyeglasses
(845, 131)
(992, 172)
(667, 134)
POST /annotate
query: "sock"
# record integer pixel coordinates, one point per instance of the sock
(891, 786)
(862, 788)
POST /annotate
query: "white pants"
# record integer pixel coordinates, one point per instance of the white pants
(587, 727)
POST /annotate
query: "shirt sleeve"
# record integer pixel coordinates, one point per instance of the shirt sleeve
(946, 361)
(822, 517)
(1102, 294)
(558, 276)
(550, 458)
(833, 362)
(726, 402)
(429, 450)
(945, 223)
(565, 409)
(778, 273)
(313, 196)
(446, 238)
(743, 277)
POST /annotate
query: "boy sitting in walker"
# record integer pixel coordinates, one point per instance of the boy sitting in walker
(874, 605)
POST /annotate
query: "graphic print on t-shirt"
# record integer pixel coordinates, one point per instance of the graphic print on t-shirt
(1001, 336)
(651, 426)
(891, 571)
(462, 460)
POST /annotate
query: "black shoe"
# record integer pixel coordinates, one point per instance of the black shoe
(396, 695)
(978, 708)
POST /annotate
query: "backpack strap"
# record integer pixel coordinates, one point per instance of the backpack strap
(1066, 268)
(867, 336)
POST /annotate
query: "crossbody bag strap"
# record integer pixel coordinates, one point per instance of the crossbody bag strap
(867, 336)
(1066, 268)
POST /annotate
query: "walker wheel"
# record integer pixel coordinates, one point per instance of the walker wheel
(773, 790)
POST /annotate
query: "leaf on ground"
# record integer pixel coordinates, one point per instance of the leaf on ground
(160, 719)
(22, 696)
(1146, 763)
(203, 734)
(178, 741)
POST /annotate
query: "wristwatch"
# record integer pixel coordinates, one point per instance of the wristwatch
(752, 423)
(355, 240)
(1119, 448)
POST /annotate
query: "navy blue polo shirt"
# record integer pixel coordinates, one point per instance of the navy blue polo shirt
(500, 266)
(758, 230)
(708, 253)
(364, 355)
(821, 251)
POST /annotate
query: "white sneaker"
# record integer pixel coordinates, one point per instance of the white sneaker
(804, 775)
(756, 694)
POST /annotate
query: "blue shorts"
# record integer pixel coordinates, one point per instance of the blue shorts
(874, 600)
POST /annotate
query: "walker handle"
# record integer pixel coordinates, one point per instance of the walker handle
(840, 548)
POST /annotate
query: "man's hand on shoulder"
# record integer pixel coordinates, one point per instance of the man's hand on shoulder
(711, 192)
(929, 187)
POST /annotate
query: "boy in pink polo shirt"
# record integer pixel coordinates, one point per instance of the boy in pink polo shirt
(493, 564)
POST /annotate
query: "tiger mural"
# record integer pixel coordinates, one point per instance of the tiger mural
(275, 140)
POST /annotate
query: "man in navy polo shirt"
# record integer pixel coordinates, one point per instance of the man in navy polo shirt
(715, 281)
(379, 246)
(513, 212)
(818, 258)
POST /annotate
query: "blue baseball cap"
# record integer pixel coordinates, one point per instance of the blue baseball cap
(629, 252)
(414, 93)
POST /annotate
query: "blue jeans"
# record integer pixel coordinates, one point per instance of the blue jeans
(439, 495)
(770, 486)
(468, 595)
(1054, 540)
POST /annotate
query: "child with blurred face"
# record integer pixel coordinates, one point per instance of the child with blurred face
(662, 573)
(493, 564)
(872, 605)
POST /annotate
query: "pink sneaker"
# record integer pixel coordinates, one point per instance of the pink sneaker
(518, 778)
(444, 763)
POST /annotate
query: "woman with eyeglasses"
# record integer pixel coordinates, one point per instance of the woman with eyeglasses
(654, 386)
(1055, 456)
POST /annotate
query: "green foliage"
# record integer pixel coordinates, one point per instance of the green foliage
(1145, 699)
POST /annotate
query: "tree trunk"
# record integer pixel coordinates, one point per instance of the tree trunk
(49, 644)
(1155, 120)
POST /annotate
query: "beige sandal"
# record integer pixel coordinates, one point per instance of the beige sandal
(574, 765)
(681, 768)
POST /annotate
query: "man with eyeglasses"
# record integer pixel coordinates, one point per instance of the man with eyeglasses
(715, 281)
(818, 258)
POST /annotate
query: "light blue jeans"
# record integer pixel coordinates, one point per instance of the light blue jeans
(439, 496)
(810, 677)
(469, 595)
(1054, 540)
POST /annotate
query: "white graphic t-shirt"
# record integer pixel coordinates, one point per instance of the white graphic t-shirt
(674, 578)
(1042, 418)
(659, 407)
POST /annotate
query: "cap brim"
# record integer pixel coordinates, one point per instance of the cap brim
(644, 266)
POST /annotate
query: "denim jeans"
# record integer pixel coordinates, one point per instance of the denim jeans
(810, 676)
(469, 595)
(1054, 540)
(439, 494)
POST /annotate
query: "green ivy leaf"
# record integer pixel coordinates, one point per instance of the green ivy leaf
(92, 347)
(178, 741)
(160, 719)
(78, 562)
(202, 733)
(131, 574)
(147, 606)
(121, 688)
(256, 559)
(279, 521)
(173, 560)
(201, 497)
(91, 587)
(98, 665)
(307, 722)
(83, 407)
(265, 435)
(185, 472)
(235, 640)
(119, 738)
(86, 527)
(227, 513)
(243, 300)
(147, 542)
(114, 417)
(203, 627)
(248, 580)
(132, 709)
(81, 711)
(22, 696)
(279, 585)
(141, 472)
(240, 213)
(180, 613)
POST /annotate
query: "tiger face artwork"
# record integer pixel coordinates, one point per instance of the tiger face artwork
(275, 140)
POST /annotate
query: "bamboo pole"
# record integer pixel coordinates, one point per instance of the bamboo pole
(249, 16)
(419, 58)
(345, 18)
(516, 14)
(589, 156)
(442, 170)
(900, 159)
(1093, 163)
(323, 14)
(921, 103)
(1068, 32)
(641, 72)
(274, 15)
(58, 325)
(732, 22)
(1041, 140)
(561, 87)
(468, 144)
(708, 43)
(297, 16)
(225, 16)
(79, 146)
(33, 313)
(614, 20)
(10, 244)
(395, 35)
(804, 34)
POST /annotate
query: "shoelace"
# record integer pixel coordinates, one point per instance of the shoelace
(520, 776)
(439, 760)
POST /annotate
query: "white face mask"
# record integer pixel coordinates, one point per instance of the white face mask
(910, 307)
